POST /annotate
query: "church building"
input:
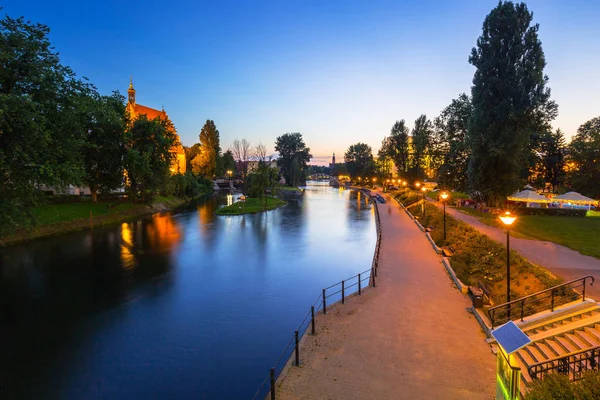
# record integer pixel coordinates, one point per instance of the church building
(178, 164)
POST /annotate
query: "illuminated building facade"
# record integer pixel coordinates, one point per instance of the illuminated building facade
(134, 109)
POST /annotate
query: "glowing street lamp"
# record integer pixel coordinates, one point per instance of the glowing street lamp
(507, 219)
(444, 196)
(405, 183)
(424, 189)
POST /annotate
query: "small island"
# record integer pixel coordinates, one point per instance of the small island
(252, 205)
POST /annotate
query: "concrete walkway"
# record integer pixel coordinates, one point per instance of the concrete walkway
(410, 338)
(559, 260)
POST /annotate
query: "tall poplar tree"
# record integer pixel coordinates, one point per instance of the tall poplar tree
(399, 146)
(510, 100)
(205, 163)
(421, 136)
(451, 129)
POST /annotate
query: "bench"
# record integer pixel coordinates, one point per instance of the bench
(447, 251)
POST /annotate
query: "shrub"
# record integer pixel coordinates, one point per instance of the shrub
(559, 387)
(550, 211)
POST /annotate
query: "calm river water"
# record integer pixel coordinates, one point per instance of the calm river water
(185, 305)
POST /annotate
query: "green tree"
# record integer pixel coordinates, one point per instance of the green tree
(399, 146)
(510, 100)
(104, 146)
(359, 160)
(263, 177)
(148, 157)
(41, 125)
(205, 163)
(191, 153)
(549, 159)
(584, 159)
(228, 162)
(290, 146)
(421, 142)
(451, 130)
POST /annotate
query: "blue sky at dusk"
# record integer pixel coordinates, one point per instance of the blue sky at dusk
(339, 72)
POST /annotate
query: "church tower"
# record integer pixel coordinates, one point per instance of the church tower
(131, 93)
(333, 159)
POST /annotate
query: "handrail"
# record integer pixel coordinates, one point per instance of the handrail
(595, 352)
(316, 306)
(491, 311)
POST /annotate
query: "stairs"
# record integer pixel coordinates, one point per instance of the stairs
(574, 329)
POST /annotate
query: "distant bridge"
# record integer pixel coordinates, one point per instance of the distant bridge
(317, 177)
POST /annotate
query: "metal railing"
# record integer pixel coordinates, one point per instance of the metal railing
(536, 302)
(573, 364)
(330, 295)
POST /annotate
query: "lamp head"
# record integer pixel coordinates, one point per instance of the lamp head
(424, 189)
(444, 195)
(507, 218)
(417, 184)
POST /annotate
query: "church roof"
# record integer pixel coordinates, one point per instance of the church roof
(150, 113)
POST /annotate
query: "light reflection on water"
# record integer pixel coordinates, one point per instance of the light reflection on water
(186, 305)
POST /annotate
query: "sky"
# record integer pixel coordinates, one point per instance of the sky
(339, 72)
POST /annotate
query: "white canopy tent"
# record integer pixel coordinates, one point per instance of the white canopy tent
(576, 199)
(529, 196)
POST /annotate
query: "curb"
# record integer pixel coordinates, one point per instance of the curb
(435, 246)
(419, 225)
(461, 286)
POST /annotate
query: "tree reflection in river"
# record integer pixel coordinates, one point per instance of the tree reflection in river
(173, 306)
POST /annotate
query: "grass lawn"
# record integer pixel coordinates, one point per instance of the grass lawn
(289, 188)
(251, 206)
(479, 258)
(578, 233)
(54, 213)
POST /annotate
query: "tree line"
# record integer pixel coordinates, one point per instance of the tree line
(495, 140)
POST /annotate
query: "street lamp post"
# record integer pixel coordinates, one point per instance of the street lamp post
(507, 219)
(423, 189)
(444, 196)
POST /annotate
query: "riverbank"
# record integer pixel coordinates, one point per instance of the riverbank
(58, 219)
(252, 205)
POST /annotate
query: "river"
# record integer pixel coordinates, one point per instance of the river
(178, 305)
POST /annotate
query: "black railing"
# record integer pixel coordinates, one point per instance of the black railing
(536, 302)
(573, 364)
(329, 296)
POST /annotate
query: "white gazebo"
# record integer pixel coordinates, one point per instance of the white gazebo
(529, 196)
(576, 199)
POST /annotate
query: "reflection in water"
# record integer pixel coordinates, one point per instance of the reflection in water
(229, 199)
(162, 233)
(127, 257)
(176, 305)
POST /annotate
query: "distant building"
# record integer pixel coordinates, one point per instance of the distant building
(253, 165)
(178, 165)
(332, 163)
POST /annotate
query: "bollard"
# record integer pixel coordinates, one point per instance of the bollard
(272, 383)
(359, 284)
(312, 318)
(324, 303)
(342, 292)
(297, 349)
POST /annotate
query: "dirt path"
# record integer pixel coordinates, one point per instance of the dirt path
(410, 338)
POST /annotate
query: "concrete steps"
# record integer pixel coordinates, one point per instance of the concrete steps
(573, 330)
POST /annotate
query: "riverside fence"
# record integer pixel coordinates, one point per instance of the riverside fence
(335, 293)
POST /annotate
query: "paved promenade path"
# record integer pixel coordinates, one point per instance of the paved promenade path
(559, 260)
(410, 338)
